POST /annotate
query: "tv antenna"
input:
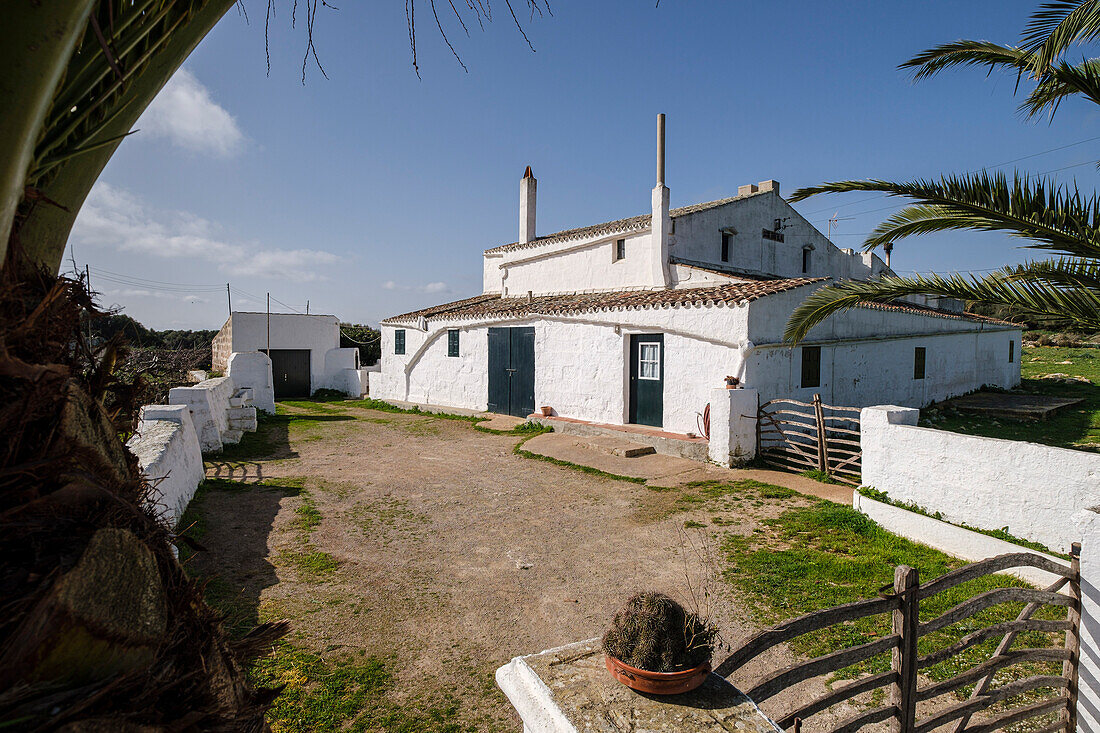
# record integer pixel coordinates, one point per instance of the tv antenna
(834, 220)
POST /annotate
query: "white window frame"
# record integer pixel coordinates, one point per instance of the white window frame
(655, 361)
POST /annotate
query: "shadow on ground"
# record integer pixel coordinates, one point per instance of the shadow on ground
(270, 442)
(248, 514)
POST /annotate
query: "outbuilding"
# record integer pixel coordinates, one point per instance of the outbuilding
(304, 349)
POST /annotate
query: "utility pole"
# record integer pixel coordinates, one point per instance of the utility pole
(307, 307)
(229, 297)
(269, 325)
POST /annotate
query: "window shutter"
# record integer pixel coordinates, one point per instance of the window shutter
(811, 366)
(452, 342)
(399, 341)
(919, 355)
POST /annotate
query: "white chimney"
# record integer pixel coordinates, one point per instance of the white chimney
(527, 187)
(661, 223)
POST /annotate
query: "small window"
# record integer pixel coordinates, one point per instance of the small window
(620, 249)
(919, 355)
(452, 342)
(649, 361)
(806, 260)
(1011, 351)
(399, 341)
(725, 247)
(811, 366)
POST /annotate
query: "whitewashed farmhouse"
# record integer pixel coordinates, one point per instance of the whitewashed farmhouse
(637, 321)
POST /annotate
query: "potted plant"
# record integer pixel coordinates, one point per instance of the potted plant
(547, 410)
(654, 645)
(732, 382)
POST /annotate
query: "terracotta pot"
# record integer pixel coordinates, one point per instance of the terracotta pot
(547, 410)
(657, 683)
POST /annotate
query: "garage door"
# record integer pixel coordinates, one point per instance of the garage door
(290, 372)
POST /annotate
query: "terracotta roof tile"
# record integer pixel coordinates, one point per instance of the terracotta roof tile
(494, 306)
(619, 226)
(921, 310)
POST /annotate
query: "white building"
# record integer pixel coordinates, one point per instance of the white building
(637, 320)
(305, 351)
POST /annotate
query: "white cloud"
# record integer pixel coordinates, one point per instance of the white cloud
(115, 218)
(433, 287)
(184, 113)
(141, 293)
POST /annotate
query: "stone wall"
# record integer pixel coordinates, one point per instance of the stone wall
(167, 449)
(221, 348)
(1033, 490)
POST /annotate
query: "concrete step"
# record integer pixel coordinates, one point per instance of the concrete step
(618, 447)
(232, 437)
(669, 444)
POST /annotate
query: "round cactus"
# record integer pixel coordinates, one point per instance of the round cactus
(655, 633)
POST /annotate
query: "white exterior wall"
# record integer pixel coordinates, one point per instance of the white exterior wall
(319, 334)
(581, 367)
(1033, 490)
(208, 403)
(577, 266)
(252, 370)
(867, 356)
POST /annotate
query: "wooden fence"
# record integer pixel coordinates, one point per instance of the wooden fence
(802, 436)
(901, 680)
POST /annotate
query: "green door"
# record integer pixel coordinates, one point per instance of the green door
(647, 379)
(512, 371)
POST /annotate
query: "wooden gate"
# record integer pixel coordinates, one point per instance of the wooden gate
(806, 436)
(902, 601)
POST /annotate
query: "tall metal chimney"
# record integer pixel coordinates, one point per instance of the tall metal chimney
(888, 250)
(661, 149)
(661, 222)
(527, 190)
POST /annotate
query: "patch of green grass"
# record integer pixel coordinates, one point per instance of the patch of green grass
(1077, 426)
(381, 406)
(312, 565)
(819, 476)
(343, 693)
(308, 515)
(692, 524)
(823, 555)
(1001, 534)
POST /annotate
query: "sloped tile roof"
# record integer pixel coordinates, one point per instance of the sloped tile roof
(619, 226)
(922, 310)
(494, 306)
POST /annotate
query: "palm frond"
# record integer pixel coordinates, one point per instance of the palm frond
(969, 53)
(1056, 26)
(1060, 81)
(1050, 217)
(1078, 306)
(1063, 272)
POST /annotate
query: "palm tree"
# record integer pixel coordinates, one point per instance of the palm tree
(100, 627)
(1065, 288)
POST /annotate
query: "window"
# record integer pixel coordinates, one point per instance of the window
(806, 260)
(620, 249)
(452, 342)
(1011, 351)
(725, 247)
(399, 341)
(649, 361)
(919, 355)
(811, 366)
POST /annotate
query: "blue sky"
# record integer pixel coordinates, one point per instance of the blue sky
(374, 192)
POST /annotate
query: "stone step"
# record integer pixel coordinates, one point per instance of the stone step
(619, 447)
(232, 437)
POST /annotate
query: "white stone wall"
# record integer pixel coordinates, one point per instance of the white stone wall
(733, 426)
(319, 334)
(252, 370)
(577, 266)
(167, 449)
(1033, 490)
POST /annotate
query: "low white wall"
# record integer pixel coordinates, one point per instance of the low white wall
(1033, 490)
(208, 402)
(1086, 524)
(342, 372)
(167, 449)
(252, 370)
(733, 426)
(953, 540)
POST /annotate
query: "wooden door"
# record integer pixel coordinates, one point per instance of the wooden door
(290, 373)
(512, 371)
(647, 379)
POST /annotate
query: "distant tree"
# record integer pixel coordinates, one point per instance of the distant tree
(368, 340)
(1060, 220)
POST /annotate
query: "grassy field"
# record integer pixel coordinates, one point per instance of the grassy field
(1075, 427)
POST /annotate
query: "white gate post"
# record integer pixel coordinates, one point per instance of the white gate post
(733, 426)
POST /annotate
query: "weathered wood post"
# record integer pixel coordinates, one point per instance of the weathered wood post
(1073, 640)
(903, 658)
(822, 448)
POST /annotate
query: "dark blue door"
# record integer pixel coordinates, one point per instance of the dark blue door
(647, 379)
(512, 371)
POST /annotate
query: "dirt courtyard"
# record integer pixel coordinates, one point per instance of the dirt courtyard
(434, 546)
